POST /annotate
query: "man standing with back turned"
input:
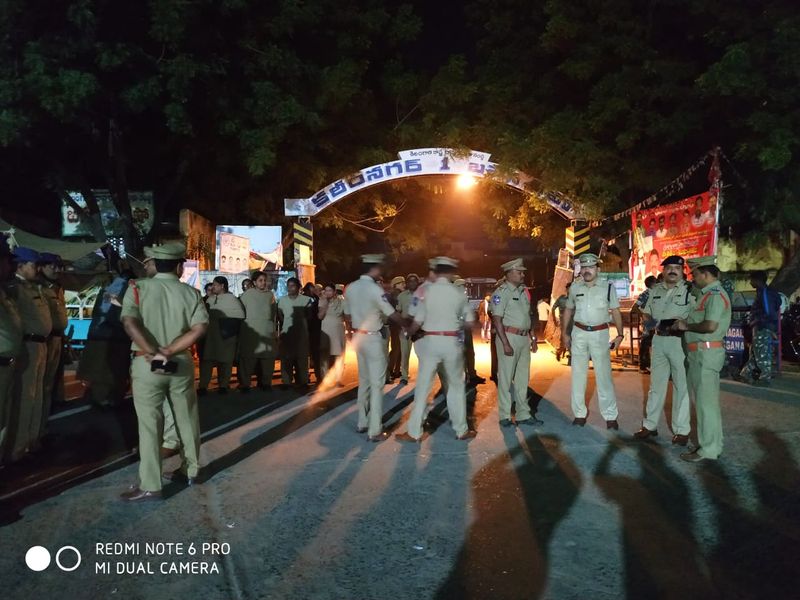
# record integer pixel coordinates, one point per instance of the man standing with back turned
(163, 318)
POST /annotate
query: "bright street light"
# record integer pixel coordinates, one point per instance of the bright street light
(464, 182)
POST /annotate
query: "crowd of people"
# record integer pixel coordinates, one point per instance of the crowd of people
(167, 325)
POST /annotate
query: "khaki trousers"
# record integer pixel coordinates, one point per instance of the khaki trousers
(668, 359)
(704, 368)
(405, 355)
(224, 370)
(149, 393)
(6, 381)
(51, 381)
(371, 354)
(444, 354)
(26, 413)
(171, 438)
(594, 345)
(247, 368)
(513, 376)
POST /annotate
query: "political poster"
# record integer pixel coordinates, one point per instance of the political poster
(72, 225)
(234, 253)
(264, 250)
(687, 228)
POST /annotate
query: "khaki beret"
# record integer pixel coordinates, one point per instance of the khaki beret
(702, 261)
(460, 282)
(410, 275)
(398, 279)
(516, 265)
(168, 251)
(372, 259)
(443, 261)
(587, 259)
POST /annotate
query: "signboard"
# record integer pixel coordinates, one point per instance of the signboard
(263, 251)
(411, 163)
(141, 210)
(191, 274)
(687, 228)
(234, 253)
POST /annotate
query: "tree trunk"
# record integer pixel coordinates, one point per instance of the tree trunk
(118, 186)
(788, 278)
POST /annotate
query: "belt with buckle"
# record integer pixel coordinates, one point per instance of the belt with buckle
(365, 332)
(517, 330)
(32, 337)
(695, 346)
(600, 327)
(669, 333)
(447, 333)
(6, 361)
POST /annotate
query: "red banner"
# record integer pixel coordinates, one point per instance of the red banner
(687, 228)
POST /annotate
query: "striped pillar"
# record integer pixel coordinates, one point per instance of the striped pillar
(303, 249)
(577, 239)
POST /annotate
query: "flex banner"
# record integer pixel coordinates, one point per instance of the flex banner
(687, 228)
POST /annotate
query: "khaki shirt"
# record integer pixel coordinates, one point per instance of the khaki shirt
(669, 303)
(10, 327)
(713, 305)
(419, 296)
(445, 307)
(32, 306)
(166, 307)
(367, 304)
(54, 294)
(404, 300)
(513, 304)
(260, 309)
(293, 313)
(591, 302)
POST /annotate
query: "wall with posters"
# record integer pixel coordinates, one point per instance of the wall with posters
(687, 228)
(264, 249)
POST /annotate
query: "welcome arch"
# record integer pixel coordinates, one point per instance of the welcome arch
(414, 163)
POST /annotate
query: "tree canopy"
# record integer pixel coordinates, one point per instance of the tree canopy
(228, 106)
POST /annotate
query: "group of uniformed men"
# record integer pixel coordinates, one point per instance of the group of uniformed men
(33, 318)
(165, 318)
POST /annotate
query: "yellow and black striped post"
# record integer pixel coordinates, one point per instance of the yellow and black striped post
(303, 249)
(577, 239)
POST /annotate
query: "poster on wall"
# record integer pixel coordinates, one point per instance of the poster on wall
(687, 228)
(234, 253)
(264, 250)
(141, 210)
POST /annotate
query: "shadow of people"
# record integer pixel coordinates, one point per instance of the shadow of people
(662, 557)
(520, 498)
(756, 553)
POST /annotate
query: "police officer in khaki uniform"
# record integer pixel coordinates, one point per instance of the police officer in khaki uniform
(164, 317)
(257, 343)
(403, 304)
(51, 267)
(10, 347)
(590, 300)
(705, 329)
(441, 317)
(37, 323)
(669, 300)
(472, 377)
(511, 315)
(365, 305)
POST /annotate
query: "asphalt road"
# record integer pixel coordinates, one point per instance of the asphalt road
(309, 509)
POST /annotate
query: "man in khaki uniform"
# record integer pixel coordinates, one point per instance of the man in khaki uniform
(511, 315)
(403, 304)
(705, 329)
(37, 324)
(51, 268)
(294, 341)
(590, 300)
(441, 317)
(365, 305)
(10, 347)
(257, 343)
(164, 317)
(472, 377)
(667, 301)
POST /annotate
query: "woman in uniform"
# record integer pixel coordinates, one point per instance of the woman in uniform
(332, 340)
(225, 319)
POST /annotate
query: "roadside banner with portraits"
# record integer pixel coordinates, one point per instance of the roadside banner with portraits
(72, 225)
(234, 253)
(687, 228)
